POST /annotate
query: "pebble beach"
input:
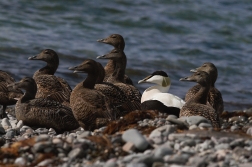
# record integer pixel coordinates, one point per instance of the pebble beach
(151, 139)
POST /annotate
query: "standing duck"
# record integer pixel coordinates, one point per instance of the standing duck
(91, 108)
(50, 86)
(40, 111)
(214, 97)
(157, 98)
(117, 41)
(117, 77)
(197, 105)
(8, 95)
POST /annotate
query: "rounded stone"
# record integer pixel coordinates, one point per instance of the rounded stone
(160, 152)
(6, 124)
(10, 134)
(20, 161)
(45, 162)
(76, 153)
(135, 137)
(196, 120)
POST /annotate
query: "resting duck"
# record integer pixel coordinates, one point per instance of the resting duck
(49, 86)
(157, 98)
(117, 41)
(40, 111)
(197, 105)
(214, 97)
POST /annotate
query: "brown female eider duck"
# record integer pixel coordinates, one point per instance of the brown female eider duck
(157, 98)
(91, 108)
(42, 112)
(49, 86)
(117, 41)
(214, 96)
(196, 105)
(8, 95)
(117, 77)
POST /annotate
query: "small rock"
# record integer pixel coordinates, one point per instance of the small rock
(181, 124)
(45, 162)
(193, 127)
(196, 120)
(136, 165)
(148, 160)
(42, 146)
(188, 142)
(84, 134)
(76, 153)
(111, 163)
(160, 135)
(6, 123)
(19, 125)
(171, 116)
(42, 137)
(234, 128)
(20, 161)
(179, 158)
(128, 147)
(160, 152)
(249, 131)
(197, 161)
(205, 125)
(222, 146)
(10, 134)
(42, 131)
(134, 136)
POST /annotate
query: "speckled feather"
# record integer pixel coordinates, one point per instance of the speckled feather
(46, 113)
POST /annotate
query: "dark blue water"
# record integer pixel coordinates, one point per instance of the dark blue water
(174, 36)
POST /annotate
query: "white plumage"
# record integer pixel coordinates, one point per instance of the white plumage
(159, 91)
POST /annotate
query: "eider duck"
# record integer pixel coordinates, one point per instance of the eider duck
(214, 96)
(49, 86)
(157, 98)
(196, 105)
(113, 92)
(117, 41)
(117, 77)
(8, 95)
(40, 111)
(91, 108)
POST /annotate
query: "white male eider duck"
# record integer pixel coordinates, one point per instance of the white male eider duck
(157, 98)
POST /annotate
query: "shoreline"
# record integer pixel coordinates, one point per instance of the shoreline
(150, 139)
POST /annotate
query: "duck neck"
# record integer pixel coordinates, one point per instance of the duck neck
(89, 82)
(49, 69)
(119, 70)
(202, 95)
(29, 94)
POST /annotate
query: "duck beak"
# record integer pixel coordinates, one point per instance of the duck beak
(101, 57)
(101, 40)
(194, 70)
(32, 58)
(75, 69)
(144, 80)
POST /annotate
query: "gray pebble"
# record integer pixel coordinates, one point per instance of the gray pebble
(136, 165)
(42, 131)
(234, 128)
(161, 151)
(42, 146)
(198, 161)
(148, 160)
(135, 137)
(196, 120)
(42, 137)
(205, 125)
(188, 142)
(172, 116)
(179, 158)
(249, 131)
(19, 125)
(222, 146)
(76, 153)
(160, 135)
(10, 134)
(20, 161)
(193, 127)
(83, 134)
(111, 163)
(45, 162)
(6, 123)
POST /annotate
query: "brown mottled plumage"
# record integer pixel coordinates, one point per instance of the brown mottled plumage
(214, 96)
(117, 77)
(90, 106)
(117, 41)
(7, 94)
(196, 105)
(42, 112)
(49, 86)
